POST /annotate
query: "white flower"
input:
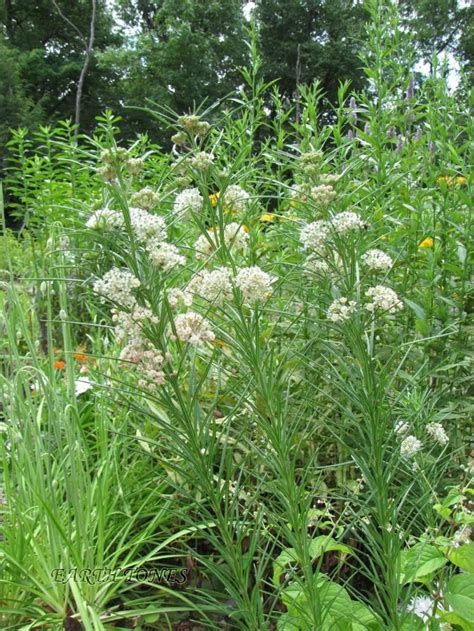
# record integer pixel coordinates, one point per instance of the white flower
(146, 198)
(146, 361)
(202, 161)
(165, 256)
(462, 536)
(437, 431)
(106, 219)
(177, 297)
(188, 200)
(377, 260)
(401, 428)
(235, 237)
(235, 199)
(383, 299)
(213, 286)
(422, 606)
(82, 385)
(148, 229)
(347, 221)
(117, 285)
(341, 309)
(410, 446)
(313, 236)
(193, 328)
(254, 283)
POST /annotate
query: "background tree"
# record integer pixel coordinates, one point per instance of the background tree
(444, 26)
(179, 53)
(304, 40)
(50, 55)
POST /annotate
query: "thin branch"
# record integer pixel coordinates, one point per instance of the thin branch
(88, 46)
(82, 76)
(71, 24)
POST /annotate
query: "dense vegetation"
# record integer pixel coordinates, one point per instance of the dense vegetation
(236, 365)
(179, 52)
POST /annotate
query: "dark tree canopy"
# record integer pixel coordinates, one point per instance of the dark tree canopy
(303, 40)
(179, 52)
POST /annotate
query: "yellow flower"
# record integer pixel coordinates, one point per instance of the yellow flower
(267, 218)
(452, 181)
(213, 198)
(384, 237)
(245, 228)
(426, 243)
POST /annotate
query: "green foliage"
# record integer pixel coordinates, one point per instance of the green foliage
(205, 366)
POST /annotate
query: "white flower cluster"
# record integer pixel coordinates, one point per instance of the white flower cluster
(383, 299)
(213, 286)
(193, 124)
(188, 200)
(135, 165)
(421, 606)
(313, 236)
(105, 218)
(410, 446)
(177, 297)
(146, 198)
(254, 283)
(117, 285)
(462, 536)
(202, 161)
(341, 309)
(401, 428)
(130, 324)
(235, 199)
(323, 194)
(235, 237)
(193, 329)
(148, 364)
(166, 256)
(346, 222)
(149, 229)
(438, 433)
(147, 360)
(377, 260)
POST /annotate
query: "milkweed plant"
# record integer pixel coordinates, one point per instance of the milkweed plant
(244, 357)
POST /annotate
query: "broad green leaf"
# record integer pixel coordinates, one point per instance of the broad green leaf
(420, 561)
(320, 545)
(463, 557)
(460, 595)
(363, 618)
(454, 618)
(285, 557)
(288, 622)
